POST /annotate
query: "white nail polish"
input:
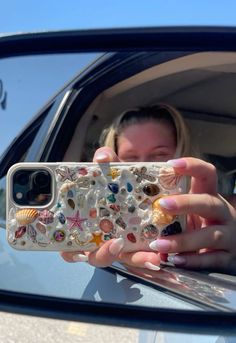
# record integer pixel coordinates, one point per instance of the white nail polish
(153, 245)
(151, 266)
(80, 258)
(116, 246)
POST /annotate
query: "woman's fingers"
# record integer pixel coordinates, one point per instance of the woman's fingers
(213, 237)
(112, 251)
(105, 154)
(212, 208)
(204, 176)
(218, 260)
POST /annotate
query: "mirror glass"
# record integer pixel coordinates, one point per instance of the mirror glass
(200, 85)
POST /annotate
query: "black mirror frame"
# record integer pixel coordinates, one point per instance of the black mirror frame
(171, 38)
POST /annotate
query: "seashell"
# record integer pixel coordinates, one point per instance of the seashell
(150, 231)
(129, 187)
(103, 212)
(20, 231)
(67, 186)
(43, 244)
(26, 216)
(93, 212)
(46, 217)
(114, 187)
(144, 205)
(31, 233)
(135, 220)
(71, 203)
(172, 229)
(160, 217)
(131, 237)
(151, 189)
(120, 222)
(111, 198)
(168, 178)
(59, 235)
(106, 225)
(41, 228)
(61, 218)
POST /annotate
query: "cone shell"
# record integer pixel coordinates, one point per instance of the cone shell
(160, 217)
(168, 178)
(26, 216)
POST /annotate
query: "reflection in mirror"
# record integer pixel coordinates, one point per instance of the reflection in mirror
(199, 85)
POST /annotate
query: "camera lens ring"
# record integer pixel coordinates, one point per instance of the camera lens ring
(41, 178)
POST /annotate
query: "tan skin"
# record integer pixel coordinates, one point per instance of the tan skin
(209, 241)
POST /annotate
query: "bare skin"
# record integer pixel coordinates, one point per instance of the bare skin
(209, 241)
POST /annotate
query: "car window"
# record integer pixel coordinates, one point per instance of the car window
(27, 83)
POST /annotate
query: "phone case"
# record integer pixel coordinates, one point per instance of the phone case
(93, 203)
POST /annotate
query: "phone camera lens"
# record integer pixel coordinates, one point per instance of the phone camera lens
(22, 178)
(41, 179)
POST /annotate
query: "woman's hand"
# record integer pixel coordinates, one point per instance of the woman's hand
(209, 241)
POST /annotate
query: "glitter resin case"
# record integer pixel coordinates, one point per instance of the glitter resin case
(93, 203)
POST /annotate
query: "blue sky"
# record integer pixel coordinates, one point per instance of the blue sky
(29, 15)
(23, 15)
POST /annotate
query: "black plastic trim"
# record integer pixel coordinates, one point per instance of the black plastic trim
(191, 38)
(139, 317)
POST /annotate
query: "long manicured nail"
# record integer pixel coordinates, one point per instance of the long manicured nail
(80, 258)
(178, 163)
(151, 266)
(177, 260)
(161, 245)
(102, 156)
(116, 246)
(168, 203)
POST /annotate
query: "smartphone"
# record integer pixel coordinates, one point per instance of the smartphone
(79, 206)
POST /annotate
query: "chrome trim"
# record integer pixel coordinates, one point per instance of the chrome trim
(53, 122)
(216, 293)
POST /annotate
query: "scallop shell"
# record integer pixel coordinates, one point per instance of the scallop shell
(26, 216)
(160, 217)
(168, 178)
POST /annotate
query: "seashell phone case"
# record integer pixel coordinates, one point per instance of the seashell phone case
(79, 206)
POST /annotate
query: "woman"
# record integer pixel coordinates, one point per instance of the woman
(158, 133)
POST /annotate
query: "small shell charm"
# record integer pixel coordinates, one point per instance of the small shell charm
(26, 216)
(159, 217)
(168, 178)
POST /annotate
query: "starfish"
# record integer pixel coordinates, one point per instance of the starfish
(76, 221)
(114, 172)
(97, 239)
(66, 174)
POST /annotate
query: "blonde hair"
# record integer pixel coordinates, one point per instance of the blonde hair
(160, 113)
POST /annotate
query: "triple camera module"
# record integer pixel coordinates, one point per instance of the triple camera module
(32, 187)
